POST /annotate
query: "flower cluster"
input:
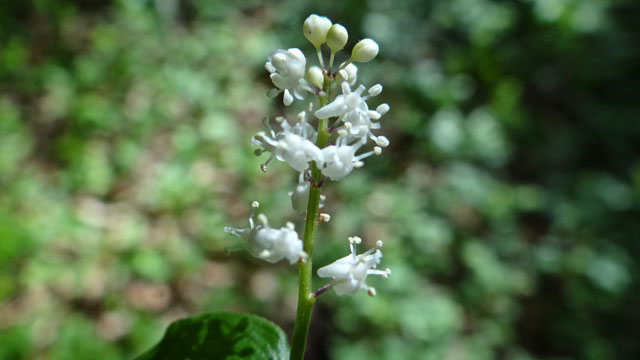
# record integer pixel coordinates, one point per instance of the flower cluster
(270, 244)
(349, 272)
(348, 126)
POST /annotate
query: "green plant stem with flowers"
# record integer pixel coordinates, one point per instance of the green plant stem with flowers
(306, 298)
(318, 154)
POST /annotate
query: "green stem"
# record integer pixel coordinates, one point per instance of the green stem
(305, 291)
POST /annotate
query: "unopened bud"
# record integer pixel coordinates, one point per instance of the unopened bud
(337, 37)
(300, 197)
(315, 29)
(344, 76)
(315, 76)
(365, 50)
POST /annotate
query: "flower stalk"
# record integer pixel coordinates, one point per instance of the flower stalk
(305, 287)
(317, 154)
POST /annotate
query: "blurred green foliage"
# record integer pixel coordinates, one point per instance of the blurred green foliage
(508, 200)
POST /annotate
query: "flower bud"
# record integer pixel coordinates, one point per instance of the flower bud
(365, 50)
(300, 197)
(337, 37)
(315, 29)
(315, 76)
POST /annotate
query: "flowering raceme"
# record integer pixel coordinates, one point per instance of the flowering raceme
(321, 146)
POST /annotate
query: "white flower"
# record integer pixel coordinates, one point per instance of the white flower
(287, 69)
(350, 272)
(352, 109)
(293, 145)
(340, 159)
(269, 244)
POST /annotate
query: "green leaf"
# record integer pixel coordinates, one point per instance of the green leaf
(221, 336)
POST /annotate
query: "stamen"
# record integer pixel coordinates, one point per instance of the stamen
(324, 217)
(353, 241)
(383, 108)
(265, 121)
(376, 150)
(375, 90)
(382, 141)
(374, 115)
(263, 167)
(383, 273)
(371, 291)
(262, 219)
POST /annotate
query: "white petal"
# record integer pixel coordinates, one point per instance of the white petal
(348, 287)
(287, 99)
(336, 108)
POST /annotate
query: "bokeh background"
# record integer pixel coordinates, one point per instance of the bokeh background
(508, 200)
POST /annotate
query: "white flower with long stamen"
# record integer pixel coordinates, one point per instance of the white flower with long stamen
(271, 245)
(287, 69)
(351, 108)
(294, 144)
(341, 159)
(349, 273)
